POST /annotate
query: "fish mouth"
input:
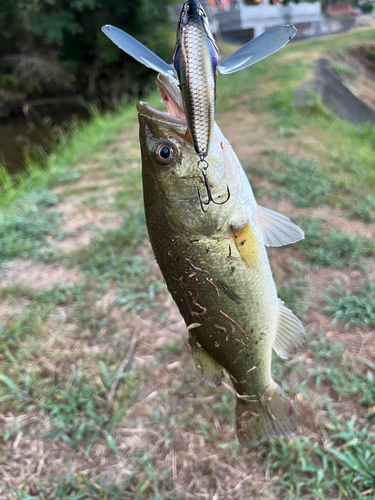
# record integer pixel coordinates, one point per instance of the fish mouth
(148, 111)
(171, 97)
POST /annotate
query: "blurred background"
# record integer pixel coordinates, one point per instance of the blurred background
(55, 62)
(54, 58)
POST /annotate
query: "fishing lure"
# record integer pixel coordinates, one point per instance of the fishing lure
(196, 63)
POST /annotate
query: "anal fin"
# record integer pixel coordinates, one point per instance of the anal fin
(290, 333)
(211, 372)
(277, 230)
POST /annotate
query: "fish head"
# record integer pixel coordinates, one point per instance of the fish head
(171, 177)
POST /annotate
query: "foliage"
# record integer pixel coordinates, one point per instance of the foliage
(364, 209)
(332, 369)
(292, 293)
(40, 38)
(367, 7)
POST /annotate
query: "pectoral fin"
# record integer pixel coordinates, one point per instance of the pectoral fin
(277, 230)
(290, 332)
(211, 372)
(137, 50)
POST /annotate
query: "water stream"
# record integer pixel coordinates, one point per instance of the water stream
(35, 132)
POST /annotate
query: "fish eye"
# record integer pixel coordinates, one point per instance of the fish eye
(201, 13)
(164, 153)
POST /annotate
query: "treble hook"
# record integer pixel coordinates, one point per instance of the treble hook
(207, 184)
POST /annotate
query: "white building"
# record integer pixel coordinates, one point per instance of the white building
(252, 20)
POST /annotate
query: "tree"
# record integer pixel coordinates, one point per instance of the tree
(68, 32)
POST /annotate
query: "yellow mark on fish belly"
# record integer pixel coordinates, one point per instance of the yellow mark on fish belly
(237, 325)
(247, 245)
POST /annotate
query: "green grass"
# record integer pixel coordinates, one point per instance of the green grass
(355, 306)
(292, 293)
(343, 468)
(343, 153)
(341, 69)
(25, 226)
(333, 369)
(333, 248)
(77, 486)
(363, 209)
(302, 180)
(15, 335)
(346, 158)
(79, 411)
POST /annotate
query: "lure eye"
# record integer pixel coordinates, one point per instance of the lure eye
(164, 154)
(201, 13)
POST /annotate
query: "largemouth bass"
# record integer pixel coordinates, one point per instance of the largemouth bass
(216, 266)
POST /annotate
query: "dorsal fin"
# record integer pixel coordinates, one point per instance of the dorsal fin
(290, 332)
(277, 230)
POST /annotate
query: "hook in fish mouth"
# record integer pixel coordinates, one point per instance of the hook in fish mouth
(208, 189)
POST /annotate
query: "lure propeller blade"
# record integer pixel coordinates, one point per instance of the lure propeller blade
(257, 49)
(137, 50)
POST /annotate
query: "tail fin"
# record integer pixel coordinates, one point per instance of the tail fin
(272, 416)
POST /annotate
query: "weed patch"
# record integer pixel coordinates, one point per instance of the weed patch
(25, 227)
(335, 249)
(79, 412)
(342, 468)
(292, 293)
(363, 209)
(304, 182)
(355, 306)
(334, 370)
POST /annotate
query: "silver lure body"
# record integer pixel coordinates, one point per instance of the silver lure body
(195, 61)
